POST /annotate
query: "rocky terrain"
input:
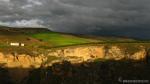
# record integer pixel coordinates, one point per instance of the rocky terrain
(74, 54)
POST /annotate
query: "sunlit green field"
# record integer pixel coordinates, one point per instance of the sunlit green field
(58, 39)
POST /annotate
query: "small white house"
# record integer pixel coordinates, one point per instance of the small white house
(22, 44)
(17, 44)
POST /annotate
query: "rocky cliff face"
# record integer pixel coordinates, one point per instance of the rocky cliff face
(74, 55)
(100, 52)
(21, 61)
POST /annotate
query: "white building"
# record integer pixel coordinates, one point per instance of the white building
(17, 44)
(22, 44)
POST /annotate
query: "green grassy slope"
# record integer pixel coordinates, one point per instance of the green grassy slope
(58, 39)
(36, 38)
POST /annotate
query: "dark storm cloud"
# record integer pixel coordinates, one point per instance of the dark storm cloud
(79, 16)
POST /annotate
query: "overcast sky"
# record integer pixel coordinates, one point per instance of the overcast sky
(100, 17)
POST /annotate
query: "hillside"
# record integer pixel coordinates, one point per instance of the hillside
(38, 54)
(42, 37)
(38, 38)
(42, 41)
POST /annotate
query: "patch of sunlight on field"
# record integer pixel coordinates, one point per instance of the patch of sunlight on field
(58, 39)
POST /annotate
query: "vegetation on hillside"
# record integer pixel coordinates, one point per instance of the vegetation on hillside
(58, 39)
(106, 72)
(99, 72)
(40, 39)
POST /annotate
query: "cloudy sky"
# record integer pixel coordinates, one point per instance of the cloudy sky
(129, 18)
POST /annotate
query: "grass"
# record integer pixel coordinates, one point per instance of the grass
(57, 39)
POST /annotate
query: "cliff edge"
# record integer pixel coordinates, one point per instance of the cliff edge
(74, 54)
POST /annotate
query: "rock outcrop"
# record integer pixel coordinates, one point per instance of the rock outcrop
(72, 54)
(80, 52)
(99, 52)
(21, 61)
